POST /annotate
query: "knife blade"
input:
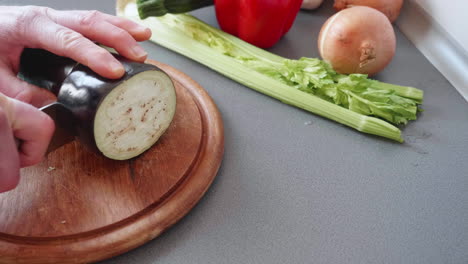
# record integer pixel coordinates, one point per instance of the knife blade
(64, 125)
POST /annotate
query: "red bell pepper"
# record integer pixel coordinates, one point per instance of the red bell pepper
(259, 22)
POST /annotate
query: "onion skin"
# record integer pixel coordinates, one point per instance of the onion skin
(357, 40)
(311, 4)
(391, 8)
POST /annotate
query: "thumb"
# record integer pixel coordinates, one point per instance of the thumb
(30, 125)
(9, 158)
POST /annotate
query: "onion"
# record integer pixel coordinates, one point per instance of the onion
(311, 4)
(357, 40)
(391, 8)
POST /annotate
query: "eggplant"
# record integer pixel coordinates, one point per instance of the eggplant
(119, 118)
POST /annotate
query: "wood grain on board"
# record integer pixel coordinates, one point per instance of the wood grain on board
(76, 206)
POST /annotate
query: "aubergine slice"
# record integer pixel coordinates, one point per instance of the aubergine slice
(119, 118)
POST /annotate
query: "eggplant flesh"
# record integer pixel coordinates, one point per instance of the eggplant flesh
(118, 118)
(133, 116)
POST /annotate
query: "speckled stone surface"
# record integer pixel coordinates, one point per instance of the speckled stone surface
(297, 188)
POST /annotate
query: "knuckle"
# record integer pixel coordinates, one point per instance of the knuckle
(47, 11)
(24, 94)
(49, 126)
(47, 120)
(33, 11)
(101, 54)
(88, 18)
(43, 132)
(69, 39)
(120, 34)
(29, 15)
(95, 56)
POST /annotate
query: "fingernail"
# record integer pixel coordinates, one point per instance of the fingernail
(148, 31)
(138, 52)
(142, 28)
(117, 67)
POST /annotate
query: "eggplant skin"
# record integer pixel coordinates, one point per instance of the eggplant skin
(82, 91)
(44, 69)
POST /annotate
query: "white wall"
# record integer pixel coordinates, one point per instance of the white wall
(451, 15)
(439, 29)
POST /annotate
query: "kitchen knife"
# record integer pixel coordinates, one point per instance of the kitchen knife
(64, 125)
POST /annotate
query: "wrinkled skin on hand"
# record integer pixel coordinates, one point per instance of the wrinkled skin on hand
(24, 122)
(66, 33)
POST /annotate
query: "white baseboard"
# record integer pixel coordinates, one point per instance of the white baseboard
(450, 58)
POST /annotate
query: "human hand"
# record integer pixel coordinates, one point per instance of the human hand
(65, 33)
(33, 128)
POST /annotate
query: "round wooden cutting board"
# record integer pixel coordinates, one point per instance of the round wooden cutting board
(77, 207)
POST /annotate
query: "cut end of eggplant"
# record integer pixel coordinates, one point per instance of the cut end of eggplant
(134, 115)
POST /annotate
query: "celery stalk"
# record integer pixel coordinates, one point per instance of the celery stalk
(309, 84)
(147, 8)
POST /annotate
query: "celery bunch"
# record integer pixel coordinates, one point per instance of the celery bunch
(311, 84)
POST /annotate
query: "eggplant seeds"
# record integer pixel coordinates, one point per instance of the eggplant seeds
(133, 116)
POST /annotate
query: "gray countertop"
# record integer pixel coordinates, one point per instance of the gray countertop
(297, 188)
